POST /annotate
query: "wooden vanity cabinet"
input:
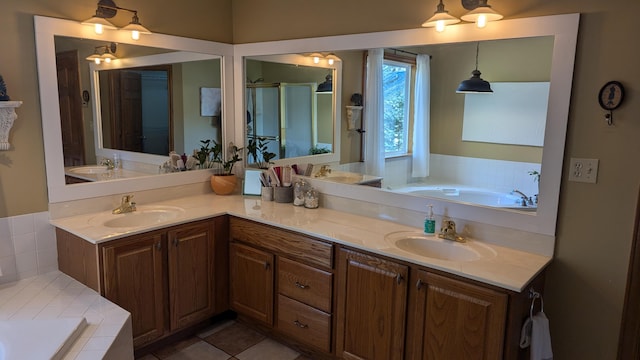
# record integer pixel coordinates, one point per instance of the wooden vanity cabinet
(372, 298)
(452, 319)
(283, 281)
(168, 279)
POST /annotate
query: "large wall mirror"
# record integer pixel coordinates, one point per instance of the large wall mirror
(528, 52)
(161, 94)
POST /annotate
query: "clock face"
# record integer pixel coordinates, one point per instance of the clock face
(611, 95)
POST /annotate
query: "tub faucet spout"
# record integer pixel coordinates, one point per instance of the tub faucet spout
(526, 200)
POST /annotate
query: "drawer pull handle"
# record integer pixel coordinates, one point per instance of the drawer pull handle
(419, 284)
(301, 286)
(300, 325)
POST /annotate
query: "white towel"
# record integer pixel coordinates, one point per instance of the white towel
(540, 338)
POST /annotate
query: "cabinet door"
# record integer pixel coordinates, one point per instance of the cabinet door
(371, 307)
(191, 273)
(456, 320)
(251, 282)
(133, 279)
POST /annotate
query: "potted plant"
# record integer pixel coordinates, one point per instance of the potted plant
(258, 149)
(224, 181)
(203, 155)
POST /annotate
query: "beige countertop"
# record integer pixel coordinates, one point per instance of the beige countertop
(509, 269)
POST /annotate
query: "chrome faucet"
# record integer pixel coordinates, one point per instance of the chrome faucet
(126, 205)
(526, 200)
(108, 163)
(448, 232)
(324, 170)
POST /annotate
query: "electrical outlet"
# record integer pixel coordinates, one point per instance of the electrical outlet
(583, 170)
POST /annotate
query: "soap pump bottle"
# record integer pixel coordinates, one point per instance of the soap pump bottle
(430, 222)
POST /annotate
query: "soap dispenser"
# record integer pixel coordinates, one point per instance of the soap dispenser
(430, 222)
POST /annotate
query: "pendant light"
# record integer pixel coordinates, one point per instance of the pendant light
(440, 19)
(475, 85)
(107, 9)
(482, 14)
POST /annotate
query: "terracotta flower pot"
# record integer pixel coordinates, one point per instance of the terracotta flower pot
(223, 184)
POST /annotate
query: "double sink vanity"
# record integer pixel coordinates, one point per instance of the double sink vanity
(331, 283)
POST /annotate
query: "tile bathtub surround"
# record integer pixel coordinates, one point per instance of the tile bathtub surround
(56, 295)
(27, 246)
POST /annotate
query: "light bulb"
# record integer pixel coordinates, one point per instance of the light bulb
(482, 21)
(330, 61)
(316, 59)
(107, 60)
(440, 25)
(97, 61)
(135, 34)
(98, 28)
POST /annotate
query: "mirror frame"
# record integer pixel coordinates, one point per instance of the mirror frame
(564, 29)
(46, 29)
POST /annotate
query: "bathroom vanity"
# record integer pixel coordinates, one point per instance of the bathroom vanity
(325, 281)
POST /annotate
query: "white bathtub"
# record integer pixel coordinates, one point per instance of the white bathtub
(38, 339)
(469, 195)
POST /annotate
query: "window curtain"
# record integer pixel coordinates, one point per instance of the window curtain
(374, 115)
(420, 150)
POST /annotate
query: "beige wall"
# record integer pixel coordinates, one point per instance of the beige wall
(585, 283)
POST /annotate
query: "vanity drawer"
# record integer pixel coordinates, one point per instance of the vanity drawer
(305, 283)
(292, 244)
(304, 323)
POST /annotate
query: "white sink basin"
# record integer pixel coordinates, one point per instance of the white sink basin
(143, 216)
(88, 170)
(433, 247)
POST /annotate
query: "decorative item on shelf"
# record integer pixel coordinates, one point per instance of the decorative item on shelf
(475, 84)
(7, 115)
(610, 98)
(224, 181)
(440, 19)
(107, 9)
(300, 188)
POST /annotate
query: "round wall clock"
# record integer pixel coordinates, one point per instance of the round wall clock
(611, 95)
(610, 98)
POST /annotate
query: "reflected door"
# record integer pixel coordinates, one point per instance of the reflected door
(263, 116)
(70, 108)
(297, 119)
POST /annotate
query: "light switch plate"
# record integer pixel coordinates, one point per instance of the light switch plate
(583, 170)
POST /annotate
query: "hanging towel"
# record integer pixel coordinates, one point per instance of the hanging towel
(540, 338)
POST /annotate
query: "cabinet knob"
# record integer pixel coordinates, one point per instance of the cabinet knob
(301, 286)
(300, 325)
(419, 284)
(176, 242)
(266, 265)
(158, 245)
(399, 279)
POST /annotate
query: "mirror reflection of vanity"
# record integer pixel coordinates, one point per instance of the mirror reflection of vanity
(453, 53)
(194, 64)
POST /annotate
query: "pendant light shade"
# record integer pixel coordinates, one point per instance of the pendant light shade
(440, 19)
(475, 84)
(327, 85)
(482, 14)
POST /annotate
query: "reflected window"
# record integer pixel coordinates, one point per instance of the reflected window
(397, 77)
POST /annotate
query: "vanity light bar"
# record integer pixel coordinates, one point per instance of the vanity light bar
(107, 9)
(481, 15)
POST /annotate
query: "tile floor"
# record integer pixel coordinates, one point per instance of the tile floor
(228, 340)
